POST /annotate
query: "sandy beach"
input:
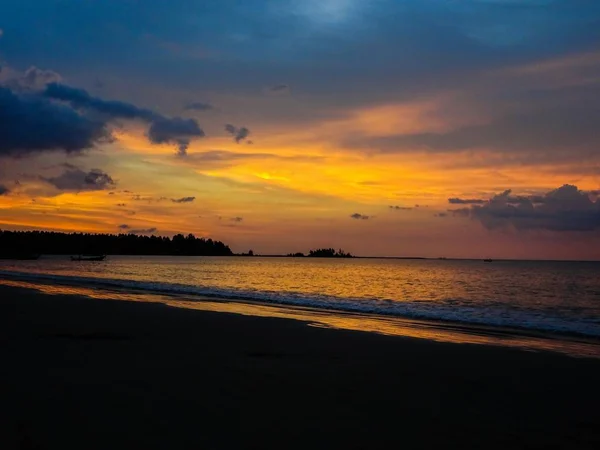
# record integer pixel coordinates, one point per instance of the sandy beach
(80, 373)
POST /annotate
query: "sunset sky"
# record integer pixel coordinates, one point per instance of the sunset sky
(456, 128)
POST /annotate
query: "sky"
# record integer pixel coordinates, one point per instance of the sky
(437, 128)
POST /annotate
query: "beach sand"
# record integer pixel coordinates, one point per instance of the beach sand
(81, 373)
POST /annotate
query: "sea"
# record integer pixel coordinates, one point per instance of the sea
(514, 303)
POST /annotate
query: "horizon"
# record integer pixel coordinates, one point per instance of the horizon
(465, 130)
(302, 254)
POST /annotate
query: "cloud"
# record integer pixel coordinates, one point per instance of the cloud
(225, 158)
(198, 106)
(30, 123)
(32, 80)
(563, 209)
(121, 205)
(441, 214)
(4, 190)
(149, 199)
(183, 200)
(60, 117)
(543, 124)
(124, 227)
(239, 134)
(466, 201)
(143, 231)
(80, 99)
(401, 208)
(175, 130)
(279, 89)
(77, 180)
(358, 216)
(35, 78)
(237, 219)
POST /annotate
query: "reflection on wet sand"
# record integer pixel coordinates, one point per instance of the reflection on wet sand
(437, 331)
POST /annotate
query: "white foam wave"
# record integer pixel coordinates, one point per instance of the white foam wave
(488, 314)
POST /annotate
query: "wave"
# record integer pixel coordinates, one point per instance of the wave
(489, 314)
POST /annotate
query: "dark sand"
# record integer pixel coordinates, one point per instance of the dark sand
(78, 373)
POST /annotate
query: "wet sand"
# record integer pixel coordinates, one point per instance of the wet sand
(82, 373)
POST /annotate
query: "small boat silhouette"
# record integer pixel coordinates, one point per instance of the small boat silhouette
(88, 258)
(487, 260)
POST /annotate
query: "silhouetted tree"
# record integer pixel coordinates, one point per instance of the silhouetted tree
(49, 242)
(329, 253)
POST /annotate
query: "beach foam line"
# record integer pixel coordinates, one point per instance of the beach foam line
(485, 315)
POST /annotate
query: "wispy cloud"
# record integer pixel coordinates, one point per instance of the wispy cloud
(183, 200)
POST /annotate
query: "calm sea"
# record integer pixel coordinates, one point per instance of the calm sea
(561, 297)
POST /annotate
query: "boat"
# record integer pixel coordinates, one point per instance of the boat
(88, 258)
(487, 260)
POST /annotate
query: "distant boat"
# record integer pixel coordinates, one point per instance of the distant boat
(21, 256)
(487, 260)
(88, 258)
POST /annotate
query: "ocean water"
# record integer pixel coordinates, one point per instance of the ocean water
(558, 297)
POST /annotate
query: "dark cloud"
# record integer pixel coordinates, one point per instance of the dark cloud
(69, 119)
(124, 227)
(441, 214)
(279, 89)
(183, 200)
(80, 99)
(77, 180)
(401, 208)
(4, 190)
(149, 199)
(198, 106)
(237, 219)
(466, 201)
(175, 130)
(358, 216)
(239, 134)
(121, 205)
(30, 123)
(563, 209)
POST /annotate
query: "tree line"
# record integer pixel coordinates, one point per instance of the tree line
(323, 253)
(54, 243)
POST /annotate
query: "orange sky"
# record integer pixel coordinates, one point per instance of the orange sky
(297, 183)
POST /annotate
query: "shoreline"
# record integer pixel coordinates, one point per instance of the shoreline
(572, 344)
(81, 372)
